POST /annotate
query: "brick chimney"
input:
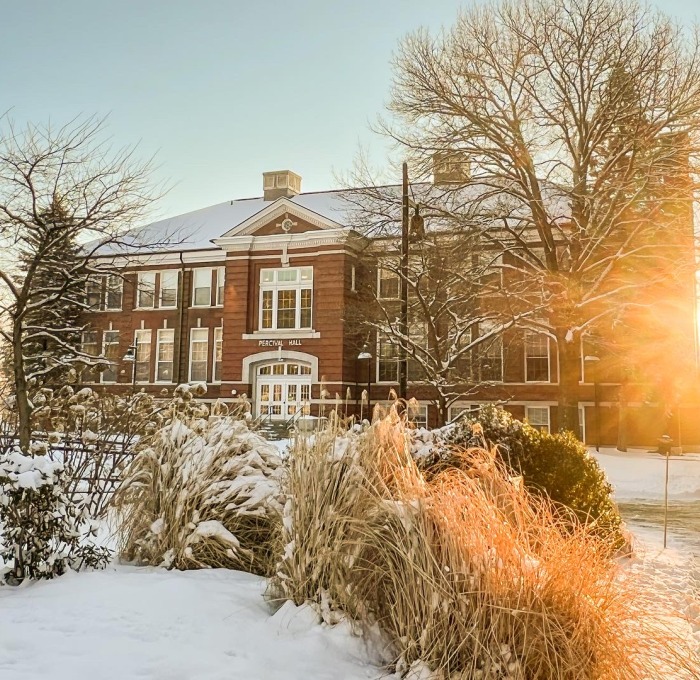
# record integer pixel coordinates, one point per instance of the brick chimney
(450, 167)
(280, 183)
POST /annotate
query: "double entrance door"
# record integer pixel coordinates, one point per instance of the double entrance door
(283, 390)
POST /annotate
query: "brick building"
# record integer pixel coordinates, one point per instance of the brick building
(251, 297)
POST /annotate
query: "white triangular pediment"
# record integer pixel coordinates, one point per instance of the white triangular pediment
(276, 209)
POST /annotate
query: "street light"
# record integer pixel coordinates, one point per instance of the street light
(595, 359)
(131, 357)
(365, 355)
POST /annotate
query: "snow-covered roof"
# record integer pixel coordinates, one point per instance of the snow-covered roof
(196, 230)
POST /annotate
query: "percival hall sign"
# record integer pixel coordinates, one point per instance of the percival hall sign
(279, 343)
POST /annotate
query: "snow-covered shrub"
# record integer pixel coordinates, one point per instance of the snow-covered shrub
(42, 527)
(555, 465)
(201, 494)
(464, 571)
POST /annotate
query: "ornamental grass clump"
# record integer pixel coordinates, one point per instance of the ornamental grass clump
(201, 493)
(463, 570)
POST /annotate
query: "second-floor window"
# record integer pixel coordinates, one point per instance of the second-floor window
(199, 354)
(201, 287)
(146, 290)
(536, 357)
(165, 353)
(388, 284)
(286, 297)
(90, 345)
(104, 293)
(220, 279)
(167, 294)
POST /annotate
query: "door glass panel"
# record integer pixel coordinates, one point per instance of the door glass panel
(277, 392)
(305, 392)
(264, 393)
(291, 392)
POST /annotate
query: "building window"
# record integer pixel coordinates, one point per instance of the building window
(164, 366)
(454, 412)
(201, 287)
(538, 417)
(418, 415)
(146, 290)
(220, 280)
(218, 354)
(93, 293)
(142, 367)
(387, 360)
(104, 293)
(110, 351)
(536, 357)
(418, 335)
(199, 353)
(286, 298)
(388, 284)
(114, 293)
(167, 295)
(89, 345)
(490, 355)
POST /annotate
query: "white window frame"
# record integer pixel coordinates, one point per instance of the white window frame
(420, 420)
(139, 288)
(202, 332)
(276, 286)
(114, 364)
(159, 342)
(138, 343)
(392, 275)
(526, 357)
(538, 407)
(218, 339)
(107, 280)
(379, 360)
(169, 273)
(220, 286)
(195, 272)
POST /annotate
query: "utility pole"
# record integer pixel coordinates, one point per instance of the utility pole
(403, 326)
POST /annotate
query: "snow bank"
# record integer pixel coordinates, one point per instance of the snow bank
(640, 476)
(150, 623)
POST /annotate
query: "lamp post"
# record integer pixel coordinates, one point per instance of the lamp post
(365, 355)
(131, 357)
(594, 359)
(665, 448)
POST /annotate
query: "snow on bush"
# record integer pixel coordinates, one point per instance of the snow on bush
(202, 493)
(42, 526)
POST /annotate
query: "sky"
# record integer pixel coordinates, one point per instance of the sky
(219, 91)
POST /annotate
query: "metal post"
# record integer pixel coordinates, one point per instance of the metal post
(403, 362)
(369, 386)
(668, 450)
(136, 358)
(597, 413)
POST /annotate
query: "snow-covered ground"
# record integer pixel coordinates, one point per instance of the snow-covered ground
(152, 624)
(130, 623)
(638, 475)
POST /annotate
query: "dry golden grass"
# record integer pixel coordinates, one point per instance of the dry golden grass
(465, 571)
(202, 494)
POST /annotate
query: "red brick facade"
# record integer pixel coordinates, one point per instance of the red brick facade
(283, 236)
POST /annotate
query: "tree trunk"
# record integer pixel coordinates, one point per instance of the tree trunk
(441, 410)
(21, 395)
(569, 367)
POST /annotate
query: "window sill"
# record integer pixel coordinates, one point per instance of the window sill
(288, 333)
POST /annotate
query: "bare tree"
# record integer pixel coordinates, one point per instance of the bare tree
(59, 186)
(456, 316)
(580, 120)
